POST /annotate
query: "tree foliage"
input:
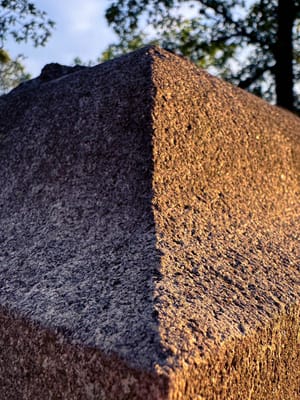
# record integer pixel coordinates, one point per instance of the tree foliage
(12, 73)
(238, 39)
(22, 21)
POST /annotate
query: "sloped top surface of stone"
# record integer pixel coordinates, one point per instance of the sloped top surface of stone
(77, 231)
(148, 208)
(226, 201)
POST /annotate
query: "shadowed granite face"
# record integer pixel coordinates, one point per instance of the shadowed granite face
(151, 212)
(77, 229)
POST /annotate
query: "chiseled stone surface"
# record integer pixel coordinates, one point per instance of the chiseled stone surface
(78, 237)
(226, 210)
(149, 236)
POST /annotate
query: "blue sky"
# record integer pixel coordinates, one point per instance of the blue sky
(81, 30)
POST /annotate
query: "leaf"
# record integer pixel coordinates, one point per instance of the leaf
(4, 57)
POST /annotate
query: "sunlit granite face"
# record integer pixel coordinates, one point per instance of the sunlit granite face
(149, 220)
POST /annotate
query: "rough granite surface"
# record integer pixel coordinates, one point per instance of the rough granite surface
(77, 228)
(149, 240)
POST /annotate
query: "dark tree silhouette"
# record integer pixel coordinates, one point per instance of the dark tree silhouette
(284, 76)
(253, 44)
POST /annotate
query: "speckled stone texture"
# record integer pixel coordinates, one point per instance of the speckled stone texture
(149, 242)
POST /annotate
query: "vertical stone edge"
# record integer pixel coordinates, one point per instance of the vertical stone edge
(262, 366)
(36, 363)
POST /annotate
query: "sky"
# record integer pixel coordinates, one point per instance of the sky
(81, 30)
